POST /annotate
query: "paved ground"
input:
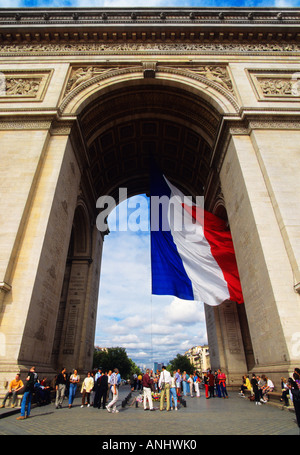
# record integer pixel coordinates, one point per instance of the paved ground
(216, 416)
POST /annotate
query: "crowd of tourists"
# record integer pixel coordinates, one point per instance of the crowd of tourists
(180, 384)
(96, 389)
(260, 387)
(99, 388)
(171, 387)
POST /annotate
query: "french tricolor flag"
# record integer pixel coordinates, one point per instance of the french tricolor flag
(192, 254)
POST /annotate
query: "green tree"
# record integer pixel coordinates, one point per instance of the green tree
(114, 358)
(180, 362)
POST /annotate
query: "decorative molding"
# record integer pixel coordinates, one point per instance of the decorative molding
(83, 74)
(25, 123)
(214, 76)
(130, 47)
(215, 73)
(275, 85)
(24, 85)
(89, 76)
(146, 15)
(149, 69)
(232, 126)
(62, 127)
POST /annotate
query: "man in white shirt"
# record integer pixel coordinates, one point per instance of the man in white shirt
(164, 385)
(114, 389)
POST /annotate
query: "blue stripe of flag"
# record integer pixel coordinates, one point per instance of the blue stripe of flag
(168, 274)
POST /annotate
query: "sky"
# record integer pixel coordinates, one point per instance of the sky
(151, 328)
(148, 3)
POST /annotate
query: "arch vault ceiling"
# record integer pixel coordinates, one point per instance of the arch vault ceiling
(125, 127)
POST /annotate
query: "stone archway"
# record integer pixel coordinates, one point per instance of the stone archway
(165, 118)
(82, 121)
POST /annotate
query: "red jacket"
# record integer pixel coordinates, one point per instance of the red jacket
(146, 381)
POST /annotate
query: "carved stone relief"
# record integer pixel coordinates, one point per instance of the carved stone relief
(83, 74)
(215, 73)
(23, 85)
(276, 86)
(146, 48)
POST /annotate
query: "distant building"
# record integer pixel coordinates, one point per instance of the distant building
(157, 366)
(199, 357)
(98, 348)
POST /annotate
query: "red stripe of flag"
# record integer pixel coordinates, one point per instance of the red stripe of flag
(222, 249)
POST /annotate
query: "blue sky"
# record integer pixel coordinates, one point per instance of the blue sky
(149, 3)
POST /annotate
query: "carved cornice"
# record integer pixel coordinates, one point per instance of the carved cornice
(65, 30)
(148, 15)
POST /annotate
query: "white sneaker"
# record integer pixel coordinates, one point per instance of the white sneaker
(258, 403)
(81, 406)
(88, 405)
(108, 408)
(116, 411)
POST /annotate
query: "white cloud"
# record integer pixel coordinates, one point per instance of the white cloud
(151, 328)
(185, 312)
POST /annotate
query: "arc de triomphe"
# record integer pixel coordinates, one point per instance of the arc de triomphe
(86, 95)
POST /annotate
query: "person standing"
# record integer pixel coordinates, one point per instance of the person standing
(222, 383)
(197, 382)
(114, 389)
(178, 380)
(211, 384)
(191, 384)
(164, 385)
(60, 387)
(206, 386)
(28, 392)
(108, 388)
(185, 378)
(295, 392)
(98, 374)
(74, 381)
(254, 384)
(218, 389)
(146, 383)
(102, 386)
(86, 388)
(173, 392)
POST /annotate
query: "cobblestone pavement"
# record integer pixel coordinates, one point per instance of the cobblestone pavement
(216, 416)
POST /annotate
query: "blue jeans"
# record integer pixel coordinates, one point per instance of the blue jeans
(27, 397)
(72, 391)
(174, 395)
(223, 389)
(185, 387)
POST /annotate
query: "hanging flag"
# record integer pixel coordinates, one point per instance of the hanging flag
(192, 254)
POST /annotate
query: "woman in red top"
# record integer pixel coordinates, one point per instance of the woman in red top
(222, 383)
